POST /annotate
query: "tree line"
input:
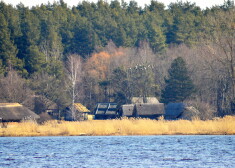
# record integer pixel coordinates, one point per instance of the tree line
(96, 52)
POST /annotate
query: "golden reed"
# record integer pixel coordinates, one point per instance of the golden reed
(218, 126)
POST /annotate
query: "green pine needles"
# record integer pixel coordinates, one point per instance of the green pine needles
(179, 86)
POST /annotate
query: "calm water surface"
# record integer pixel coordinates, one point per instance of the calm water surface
(118, 152)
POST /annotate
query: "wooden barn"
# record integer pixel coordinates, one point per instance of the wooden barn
(148, 107)
(143, 110)
(16, 112)
(149, 110)
(81, 112)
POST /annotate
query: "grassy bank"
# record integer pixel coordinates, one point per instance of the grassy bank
(219, 126)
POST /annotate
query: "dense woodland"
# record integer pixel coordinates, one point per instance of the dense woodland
(110, 52)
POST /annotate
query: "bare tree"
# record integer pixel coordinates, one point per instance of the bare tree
(220, 45)
(49, 91)
(74, 75)
(13, 88)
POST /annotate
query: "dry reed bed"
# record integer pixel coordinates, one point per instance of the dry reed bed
(220, 126)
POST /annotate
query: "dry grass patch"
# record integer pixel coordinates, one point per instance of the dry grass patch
(219, 126)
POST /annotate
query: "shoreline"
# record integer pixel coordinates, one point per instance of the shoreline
(119, 135)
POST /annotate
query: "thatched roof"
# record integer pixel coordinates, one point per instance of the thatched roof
(190, 113)
(137, 100)
(152, 100)
(80, 108)
(151, 110)
(148, 109)
(174, 110)
(15, 112)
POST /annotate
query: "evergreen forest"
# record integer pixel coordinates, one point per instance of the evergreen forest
(56, 55)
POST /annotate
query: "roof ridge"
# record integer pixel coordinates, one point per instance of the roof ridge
(10, 105)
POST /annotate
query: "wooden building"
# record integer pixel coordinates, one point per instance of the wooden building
(81, 113)
(143, 110)
(148, 107)
(16, 112)
(127, 110)
(106, 111)
(153, 100)
(149, 110)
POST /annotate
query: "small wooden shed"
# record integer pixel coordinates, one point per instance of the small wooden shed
(81, 112)
(16, 112)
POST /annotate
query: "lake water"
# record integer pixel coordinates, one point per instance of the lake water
(118, 152)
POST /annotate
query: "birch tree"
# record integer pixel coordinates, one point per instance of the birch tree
(74, 75)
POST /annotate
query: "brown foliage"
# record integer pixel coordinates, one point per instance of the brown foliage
(14, 89)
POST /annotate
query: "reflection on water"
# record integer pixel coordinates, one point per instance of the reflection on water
(118, 151)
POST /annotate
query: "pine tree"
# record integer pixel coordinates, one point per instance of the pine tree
(8, 50)
(119, 82)
(179, 86)
(35, 60)
(156, 38)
